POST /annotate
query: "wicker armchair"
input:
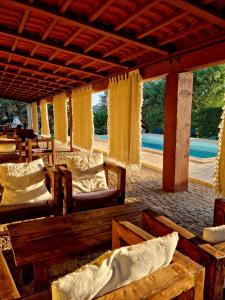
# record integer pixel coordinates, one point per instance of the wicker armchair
(182, 279)
(30, 210)
(212, 257)
(85, 201)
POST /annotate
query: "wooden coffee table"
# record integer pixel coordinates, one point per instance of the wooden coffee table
(47, 241)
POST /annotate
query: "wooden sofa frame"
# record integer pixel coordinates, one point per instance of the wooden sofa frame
(212, 257)
(33, 210)
(182, 279)
(66, 176)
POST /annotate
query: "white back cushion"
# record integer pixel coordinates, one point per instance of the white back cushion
(214, 234)
(87, 172)
(23, 182)
(115, 269)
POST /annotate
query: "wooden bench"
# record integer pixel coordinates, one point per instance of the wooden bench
(212, 257)
(182, 279)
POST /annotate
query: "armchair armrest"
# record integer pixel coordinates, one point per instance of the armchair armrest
(219, 212)
(53, 183)
(8, 290)
(121, 177)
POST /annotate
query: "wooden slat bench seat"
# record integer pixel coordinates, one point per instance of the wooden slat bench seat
(52, 240)
(212, 257)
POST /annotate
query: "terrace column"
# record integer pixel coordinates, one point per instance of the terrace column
(177, 124)
(71, 122)
(29, 116)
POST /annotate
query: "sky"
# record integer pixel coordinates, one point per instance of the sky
(95, 98)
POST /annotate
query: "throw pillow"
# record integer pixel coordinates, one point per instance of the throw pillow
(214, 234)
(87, 172)
(115, 269)
(7, 147)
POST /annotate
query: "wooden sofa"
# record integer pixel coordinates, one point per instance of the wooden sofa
(84, 201)
(182, 279)
(24, 134)
(212, 257)
(24, 211)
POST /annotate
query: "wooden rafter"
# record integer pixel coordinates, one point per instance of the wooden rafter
(24, 20)
(200, 10)
(56, 46)
(162, 23)
(46, 62)
(67, 18)
(114, 49)
(53, 55)
(70, 61)
(15, 44)
(42, 73)
(23, 91)
(99, 9)
(182, 33)
(65, 6)
(33, 51)
(94, 43)
(133, 15)
(72, 37)
(48, 30)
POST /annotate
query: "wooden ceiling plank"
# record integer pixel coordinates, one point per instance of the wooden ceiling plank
(45, 62)
(65, 6)
(200, 10)
(99, 9)
(24, 20)
(87, 25)
(167, 20)
(135, 14)
(95, 43)
(49, 29)
(34, 72)
(114, 49)
(183, 33)
(72, 37)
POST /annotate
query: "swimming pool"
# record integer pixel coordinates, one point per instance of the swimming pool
(198, 148)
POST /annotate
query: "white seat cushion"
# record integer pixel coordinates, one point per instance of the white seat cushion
(7, 147)
(214, 234)
(115, 269)
(23, 182)
(87, 172)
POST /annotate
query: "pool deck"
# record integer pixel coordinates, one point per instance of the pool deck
(200, 170)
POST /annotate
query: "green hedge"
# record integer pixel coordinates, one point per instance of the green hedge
(206, 121)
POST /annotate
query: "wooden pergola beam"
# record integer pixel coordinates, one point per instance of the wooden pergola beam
(24, 20)
(70, 19)
(200, 10)
(21, 85)
(65, 6)
(94, 43)
(41, 73)
(99, 9)
(162, 23)
(72, 37)
(47, 62)
(22, 91)
(133, 15)
(9, 97)
(56, 46)
(48, 30)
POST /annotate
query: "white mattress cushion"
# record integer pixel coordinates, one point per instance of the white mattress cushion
(115, 269)
(87, 172)
(23, 182)
(214, 234)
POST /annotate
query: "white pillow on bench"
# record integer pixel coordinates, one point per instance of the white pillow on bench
(214, 234)
(23, 182)
(115, 269)
(87, 172)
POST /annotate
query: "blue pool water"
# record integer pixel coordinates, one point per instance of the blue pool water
(197, 148)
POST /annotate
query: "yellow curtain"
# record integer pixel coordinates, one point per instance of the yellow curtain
(45, 132)
(34, 113)
(60, 118)
(124, 118)
(82, 118)
(219, 182)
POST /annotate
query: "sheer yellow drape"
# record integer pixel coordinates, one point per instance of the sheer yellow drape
(124, 120)
(34, 113)
(219, 183)
(82, 118)
(60, 118)
(45, 132)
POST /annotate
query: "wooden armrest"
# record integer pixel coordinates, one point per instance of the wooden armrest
(53, 183)
(8, 289)
(219, 212)
(114, 168)
(62, 169)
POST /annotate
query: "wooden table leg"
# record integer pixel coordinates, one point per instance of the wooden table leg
(41, 276)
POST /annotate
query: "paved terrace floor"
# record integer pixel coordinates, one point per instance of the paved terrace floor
(192, 209)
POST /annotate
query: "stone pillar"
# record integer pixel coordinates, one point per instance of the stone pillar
(29, 116)
(71, 122)
(177, 124)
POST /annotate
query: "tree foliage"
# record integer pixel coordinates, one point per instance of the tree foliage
(10, 108)
(101, 115)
